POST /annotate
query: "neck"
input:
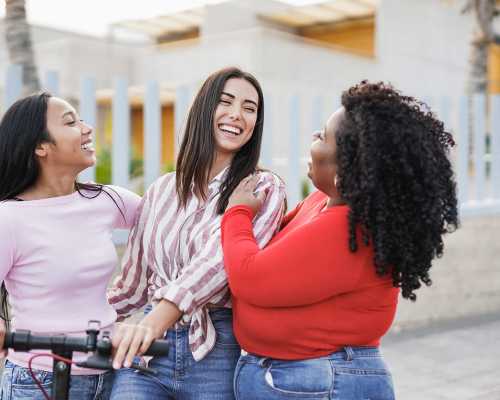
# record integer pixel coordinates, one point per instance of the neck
(221, 161)
(50, 185)
(334, 199)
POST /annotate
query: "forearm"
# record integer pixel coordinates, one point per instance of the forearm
(296, 270)
(161, 318)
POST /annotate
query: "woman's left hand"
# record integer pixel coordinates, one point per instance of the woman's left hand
(245, 194)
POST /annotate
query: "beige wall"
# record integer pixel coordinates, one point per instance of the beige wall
(466, 281)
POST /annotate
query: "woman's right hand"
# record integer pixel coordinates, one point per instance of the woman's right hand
(130, 340)
(244, 194)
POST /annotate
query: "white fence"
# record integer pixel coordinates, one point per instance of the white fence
(476, 158)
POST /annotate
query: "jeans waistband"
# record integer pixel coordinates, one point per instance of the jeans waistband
(348, 353)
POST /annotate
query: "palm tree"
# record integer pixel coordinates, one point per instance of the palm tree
(484, 12)
(18, 38)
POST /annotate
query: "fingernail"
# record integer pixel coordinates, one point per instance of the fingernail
(126, 364)
(116, 365)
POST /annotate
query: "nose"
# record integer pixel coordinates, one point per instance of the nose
(86, 128)
(316, 135)
(235, 112)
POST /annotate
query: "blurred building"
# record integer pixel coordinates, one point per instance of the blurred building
(312, 51)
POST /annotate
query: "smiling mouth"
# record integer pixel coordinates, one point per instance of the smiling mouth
(232, 130)
(88, 146)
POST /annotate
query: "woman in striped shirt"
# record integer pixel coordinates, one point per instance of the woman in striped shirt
(174, 255)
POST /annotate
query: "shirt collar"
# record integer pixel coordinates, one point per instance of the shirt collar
(219, 178)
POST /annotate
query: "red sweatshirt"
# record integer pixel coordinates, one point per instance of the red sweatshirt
(306, 294)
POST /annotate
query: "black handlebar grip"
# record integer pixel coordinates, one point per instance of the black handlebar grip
(18, 340)
(158, 348)
(7, 341)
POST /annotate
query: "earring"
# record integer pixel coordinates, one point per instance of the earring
(335, 180)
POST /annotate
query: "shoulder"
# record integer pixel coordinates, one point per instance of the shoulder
(269, 178)
(161, 184)
(120, 191)
(315, 198)
(7, 216)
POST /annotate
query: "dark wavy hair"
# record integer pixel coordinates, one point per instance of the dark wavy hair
(395, 175)
(197, 151)
(22, 129)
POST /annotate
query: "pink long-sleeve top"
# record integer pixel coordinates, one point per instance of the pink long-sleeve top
(56, 259)
(175, 253)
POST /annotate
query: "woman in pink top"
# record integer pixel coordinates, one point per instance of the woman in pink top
(174, 253)
(56, 250)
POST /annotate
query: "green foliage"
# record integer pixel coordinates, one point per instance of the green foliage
(103, 167)
(305, 188)
(169, 167)
(136, 167)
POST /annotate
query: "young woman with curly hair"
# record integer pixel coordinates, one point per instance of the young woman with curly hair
(311, 307)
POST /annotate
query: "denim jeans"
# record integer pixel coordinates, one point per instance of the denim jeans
(350, 374)
(17, 384)
(179, 375)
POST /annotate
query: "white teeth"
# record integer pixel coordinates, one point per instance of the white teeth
(87, 146)
(231, 129)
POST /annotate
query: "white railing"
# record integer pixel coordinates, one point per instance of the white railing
(476, 158)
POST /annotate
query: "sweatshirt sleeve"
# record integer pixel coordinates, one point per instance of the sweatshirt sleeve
(7, 246)
(309, 264)
(129, 290)
(126, 206)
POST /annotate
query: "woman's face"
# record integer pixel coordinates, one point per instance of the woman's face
(323, 165)
(72, 146)
(235, 116)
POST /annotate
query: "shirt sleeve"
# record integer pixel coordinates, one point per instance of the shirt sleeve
(129, 290)
(309, 264)
(7, 247)
(205, 278)
(127, 204)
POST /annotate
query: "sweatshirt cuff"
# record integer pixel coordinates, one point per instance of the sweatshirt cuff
(239, 209)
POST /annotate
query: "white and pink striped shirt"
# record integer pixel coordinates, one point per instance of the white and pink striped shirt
(175, 253)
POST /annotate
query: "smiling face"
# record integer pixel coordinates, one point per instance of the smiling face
(235, 116)
(323, 165)
(71, 145)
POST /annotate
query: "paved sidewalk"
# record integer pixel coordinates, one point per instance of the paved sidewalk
(459, 360)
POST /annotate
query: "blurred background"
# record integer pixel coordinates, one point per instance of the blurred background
(132, 69)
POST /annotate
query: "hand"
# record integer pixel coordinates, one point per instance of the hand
(130, 340)
(245, 194)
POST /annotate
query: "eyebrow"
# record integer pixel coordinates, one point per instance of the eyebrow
(69, 113)
(246, 100)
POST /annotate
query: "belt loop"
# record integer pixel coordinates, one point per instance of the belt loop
(349, 353)
(264, 362)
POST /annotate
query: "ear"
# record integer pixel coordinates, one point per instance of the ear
(41, 150)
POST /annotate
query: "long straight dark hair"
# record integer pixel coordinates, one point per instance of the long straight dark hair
(197, 152)
(22, 129)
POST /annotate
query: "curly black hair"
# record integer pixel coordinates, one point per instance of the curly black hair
(395, 175)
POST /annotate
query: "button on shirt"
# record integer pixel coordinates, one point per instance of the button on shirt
(174, 253)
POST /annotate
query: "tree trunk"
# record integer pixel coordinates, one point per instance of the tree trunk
(18, 38)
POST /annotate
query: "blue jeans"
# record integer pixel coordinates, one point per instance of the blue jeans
(17, 384)
(350, 374)
(179, 375)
